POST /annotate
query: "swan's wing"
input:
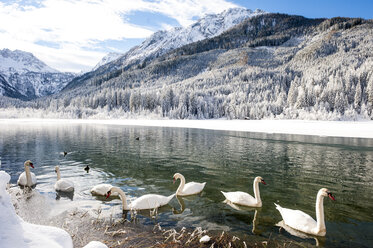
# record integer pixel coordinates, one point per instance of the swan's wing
(297, 219)
(102, 189)
(240, 198)
(150, 201)
(64, 185)
(22, 180)
(192, 188)
(33, 178)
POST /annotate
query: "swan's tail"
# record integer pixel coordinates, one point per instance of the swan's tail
(169, 198)
(224, 194)
(279, 208)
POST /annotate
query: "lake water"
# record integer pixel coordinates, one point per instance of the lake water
(294, 167)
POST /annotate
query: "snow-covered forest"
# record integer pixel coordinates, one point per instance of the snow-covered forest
(270, 66)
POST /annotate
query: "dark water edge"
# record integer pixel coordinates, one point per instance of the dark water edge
(294, 166)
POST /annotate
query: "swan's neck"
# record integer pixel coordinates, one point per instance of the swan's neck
(181, 186)
(320, 214)
(28, 176)
(256, 192)
(122, 196)
(58, 175)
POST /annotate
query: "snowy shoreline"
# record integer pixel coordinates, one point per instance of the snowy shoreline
(361, 129)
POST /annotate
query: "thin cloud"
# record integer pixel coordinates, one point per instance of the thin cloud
(77, 28)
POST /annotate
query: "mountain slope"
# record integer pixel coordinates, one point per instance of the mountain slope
(107, 59)
(24, 76)
(163, 41)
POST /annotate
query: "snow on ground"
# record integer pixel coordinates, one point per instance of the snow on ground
(361, 129)
(15, 232)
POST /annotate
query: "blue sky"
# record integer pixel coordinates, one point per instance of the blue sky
(314, 8)
(73, 35)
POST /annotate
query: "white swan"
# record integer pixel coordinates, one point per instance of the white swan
(27, 178)
(62, 184)
(148, 201)
(303, 222)
(245, 199)
(102, 189)
(190, 188)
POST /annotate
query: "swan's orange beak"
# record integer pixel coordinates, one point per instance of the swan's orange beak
(331, 196)
(263, 182)
(174, 180)
(108, 194)
(32, 165)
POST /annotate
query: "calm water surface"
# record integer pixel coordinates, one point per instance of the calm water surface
(294, 167)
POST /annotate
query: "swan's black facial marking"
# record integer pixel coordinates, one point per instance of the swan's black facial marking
(108, 194)
(331, 196)
(32, 165)
(262, 181)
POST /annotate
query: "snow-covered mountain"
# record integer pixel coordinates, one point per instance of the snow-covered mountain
(107, 59)
(207, 27)
(25, 76)
(210, 26)
(268, 66)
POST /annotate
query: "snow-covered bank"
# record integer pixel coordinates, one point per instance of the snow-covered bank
(15, 232)
(363, 129)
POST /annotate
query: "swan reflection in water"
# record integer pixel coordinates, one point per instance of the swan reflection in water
(181, 202)
(320, 240)
(60, 194)
(244, 208)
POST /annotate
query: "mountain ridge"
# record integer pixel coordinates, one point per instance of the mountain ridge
(26, 77)
(163, 41)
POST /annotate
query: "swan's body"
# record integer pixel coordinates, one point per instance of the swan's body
(301, 221)
(190, 188)
(62, 184)
(102, 189)
(27, 178)
(149, 201)
(245, 199)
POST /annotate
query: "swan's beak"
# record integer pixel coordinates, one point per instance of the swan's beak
(263, 182)
(32, 165)
(174, 180)
(55, 171)
(331, 196)
(108, 194)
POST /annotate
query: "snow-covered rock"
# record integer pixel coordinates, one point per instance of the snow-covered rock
(95, 244)
(107, 59)
(15, 232)
(205, 239)
(24, 76)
